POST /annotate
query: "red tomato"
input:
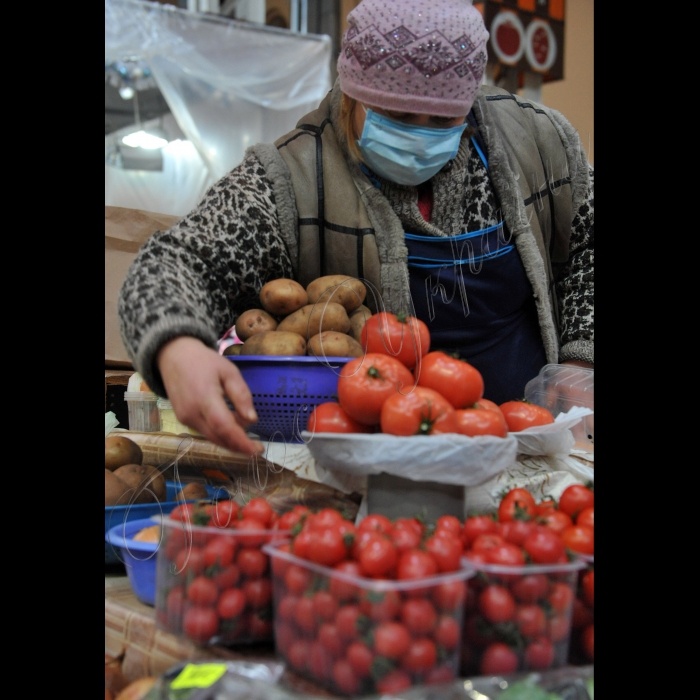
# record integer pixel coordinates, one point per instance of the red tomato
(330, 417)
(575, 498)
(581, 615)
(200, 623)
(376, 522)
(202, 591)
(476, 525)
(394, 682)
(297, 580)
(585, 517)
(231, 603)
(486, 541)
(298, 654)
(420, 656)
(496, 604)
(304, 615)
(225, 514)
(419, 412)
(289, 520)
(560, 597)
(556, 520)
(419, 616)
(517, 504)
(481, 421)
(446, 550)
(325, 605)
(401, 336)
(258, 509)
(578, 538)
(227, 577)
(412, 524)
(252, 562)
(348, 622)
(530, 588)
(448, 522)
(365, 383)
(439, 675)
(414, 564)
(258, 592)
(345, 677)
(406, 538)
(450, 595)
(545, 546)
(447, 632)
(522, 414)
(378, 557)
(190, 561)
(545, 505)
(251, 525)
(506, 554)
(327, 547)
(458, 381)
(341, 590)
(498, 659)
(559, 627)
(516, 531)
(539, 654)
(531, 620)
(391, 639)
(286, 608)
(331, 640)
(587, 641)
(320, 662)
(587, 587)
(380, 606)
(360, 657)
(220, 551)
(488, 405)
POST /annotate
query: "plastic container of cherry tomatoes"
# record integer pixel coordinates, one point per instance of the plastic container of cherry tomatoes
(356, 636)
(213, 584)
(518, 618)
(581, 648)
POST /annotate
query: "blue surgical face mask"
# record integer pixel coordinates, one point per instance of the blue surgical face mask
(405, 154)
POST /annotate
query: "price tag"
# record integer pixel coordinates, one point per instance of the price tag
(198, 676)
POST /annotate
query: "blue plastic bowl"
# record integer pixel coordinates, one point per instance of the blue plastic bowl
(139, 557)
(118, 515)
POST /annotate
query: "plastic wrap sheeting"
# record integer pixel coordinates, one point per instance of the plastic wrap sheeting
(228, 84)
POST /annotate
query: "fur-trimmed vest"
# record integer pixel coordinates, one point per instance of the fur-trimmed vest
(335, 221)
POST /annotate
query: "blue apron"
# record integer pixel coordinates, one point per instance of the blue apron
(472, 292)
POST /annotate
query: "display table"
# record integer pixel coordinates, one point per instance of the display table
(130, 629)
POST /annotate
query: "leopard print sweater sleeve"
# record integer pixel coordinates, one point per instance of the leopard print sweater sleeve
(197, 277)
(574, 287)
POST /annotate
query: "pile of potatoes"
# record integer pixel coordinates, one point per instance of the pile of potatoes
(325, 319)
(128, 481)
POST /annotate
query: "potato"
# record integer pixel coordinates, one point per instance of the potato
(193, 491)
(147, 481)
(120, 450)
(358, 318)
(274, 343)
(333, 344)
(148, 534)
(283, 297)
(254, 321)
(316, 318)
(116, 491)
(341, 289)
(233, 349)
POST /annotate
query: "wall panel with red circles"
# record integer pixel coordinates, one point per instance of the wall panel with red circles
(526, 34)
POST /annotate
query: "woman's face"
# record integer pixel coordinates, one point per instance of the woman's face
(409, 118)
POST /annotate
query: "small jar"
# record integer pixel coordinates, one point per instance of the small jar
(143, 411)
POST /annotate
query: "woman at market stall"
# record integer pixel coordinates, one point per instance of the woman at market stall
(461, 204)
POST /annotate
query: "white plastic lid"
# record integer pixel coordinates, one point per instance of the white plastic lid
(165, 404)
(139, 396)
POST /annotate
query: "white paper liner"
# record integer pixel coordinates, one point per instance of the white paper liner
(552, 439)
(446, 459)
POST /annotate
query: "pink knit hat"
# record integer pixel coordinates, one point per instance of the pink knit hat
(422, 56)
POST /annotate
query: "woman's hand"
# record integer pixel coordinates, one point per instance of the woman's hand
(197, 380)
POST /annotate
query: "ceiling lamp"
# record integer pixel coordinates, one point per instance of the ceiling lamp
(150, 140)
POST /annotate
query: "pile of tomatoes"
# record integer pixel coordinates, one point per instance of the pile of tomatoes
(520, 604)
(372, 608)
(213, 579)
(400, 387)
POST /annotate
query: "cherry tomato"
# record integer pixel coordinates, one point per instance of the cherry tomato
(506, 554)
(559, 627)
(560, 597)
(345, 678)
(414, 564)
(476, 525)
(379, 557)
(360, 657)
(450, 595)
(496, 604)
(289, 520)
(348, 622)
(258, 509)
(458, 381)
(298, 654)
(300, 544)
(404, 337)
(545, 505)
(227, 577)
(420, 656)
(481, 421)
(578, 538)
(447, 522)
(498, 659)
(406, 538)
(539, 654)
(219, 551)
(365, 383)
(258, 592)
(556, 520)
(225, 514)
(545, 546)
(439, 675)
(421, 411)
(325, 605)
(446, 550)
(200, 623)
(581, 615)
(320, 662)
(585, 517)
(522, 414)
(447, 632)
(331, 417)
(327, 547)
(202, 591)
(252, 562)
(391, 639)
(531, 620)
(183, 512)
(575, 498)
(394, 682)
(304, 615)
(530, 588)
(516, 531)
(376, 522)
(486, 541)
(344, 591)
(380, 606)
(190, 561)
(331, 640)
(297, 579)
(231, 603)
(517, 504)
(251, 525)
(587, 587)
(587, 641)
(419, 616)
(287, 606)
(488, 405)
